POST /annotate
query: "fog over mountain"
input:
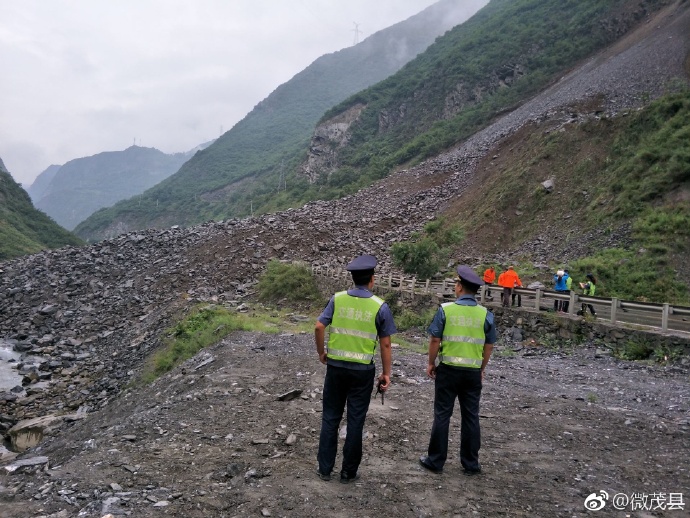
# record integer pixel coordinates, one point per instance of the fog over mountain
(273, 136)
(82, 77)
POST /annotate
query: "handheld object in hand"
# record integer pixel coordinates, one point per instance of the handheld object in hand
(379, 391)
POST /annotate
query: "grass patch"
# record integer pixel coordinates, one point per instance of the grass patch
(408, 319)
(207, 325)
(411, 346)
(643, 275)
(204, 326)
(634, 350)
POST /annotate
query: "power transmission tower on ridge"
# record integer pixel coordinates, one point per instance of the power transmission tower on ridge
(357, 33)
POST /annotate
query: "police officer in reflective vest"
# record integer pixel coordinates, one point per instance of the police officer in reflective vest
(462, 338)
(359, 320)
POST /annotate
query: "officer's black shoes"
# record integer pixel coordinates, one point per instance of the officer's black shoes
(472, 472)
(424, 462)
(323, 477)
(346, 479)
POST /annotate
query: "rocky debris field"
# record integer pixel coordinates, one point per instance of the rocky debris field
(83, 319)
(234, 432)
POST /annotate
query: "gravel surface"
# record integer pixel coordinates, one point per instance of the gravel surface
(212, 439)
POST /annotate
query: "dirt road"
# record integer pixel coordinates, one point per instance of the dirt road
(213, 441)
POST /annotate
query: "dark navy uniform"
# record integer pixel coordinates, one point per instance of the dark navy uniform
(358, 320)
(462, 337)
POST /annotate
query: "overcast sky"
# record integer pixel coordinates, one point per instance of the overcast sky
(84, 76)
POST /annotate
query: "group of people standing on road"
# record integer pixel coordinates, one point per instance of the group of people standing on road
(563, 284)
(508, 281)
(462, 337)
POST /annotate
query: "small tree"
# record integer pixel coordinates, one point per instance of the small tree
(423, 255)
(421, 258)
(293, 282)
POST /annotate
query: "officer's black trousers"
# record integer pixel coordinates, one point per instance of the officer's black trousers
(354, 387)
(466, 385)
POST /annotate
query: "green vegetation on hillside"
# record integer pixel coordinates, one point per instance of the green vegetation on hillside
(23, 229)
(508, 52)
(632, 169)
(487, 66)
(647, 179)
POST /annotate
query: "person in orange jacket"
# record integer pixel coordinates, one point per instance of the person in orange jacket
(489, 278)
(509, 280)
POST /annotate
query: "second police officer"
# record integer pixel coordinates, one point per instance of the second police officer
(462, 339)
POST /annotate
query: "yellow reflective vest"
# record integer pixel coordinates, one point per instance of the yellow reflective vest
(353, 334)
(462, 344)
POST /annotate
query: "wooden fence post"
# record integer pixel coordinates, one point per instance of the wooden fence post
(390, 280)
(614, 309)
(426, 287)
(664, 317)
(482, 296)
(537, 300)
(414, 283)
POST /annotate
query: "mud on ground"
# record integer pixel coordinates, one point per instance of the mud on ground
(211, 439)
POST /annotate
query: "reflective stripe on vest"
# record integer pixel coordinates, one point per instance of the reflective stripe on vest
(353, 334)
(463, 338)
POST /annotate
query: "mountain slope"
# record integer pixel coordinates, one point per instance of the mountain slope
(505, 54)
(23, 229)
(42, 183)
(274, 135)
(84, 185)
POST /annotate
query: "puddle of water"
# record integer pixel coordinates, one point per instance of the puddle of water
(8, 374)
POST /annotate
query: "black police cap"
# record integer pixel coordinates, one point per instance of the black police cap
(363, 263)
(467, 274)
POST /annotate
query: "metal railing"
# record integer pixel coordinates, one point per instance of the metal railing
(665, 316)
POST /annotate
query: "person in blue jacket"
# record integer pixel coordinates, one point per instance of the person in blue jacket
(560, 279)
